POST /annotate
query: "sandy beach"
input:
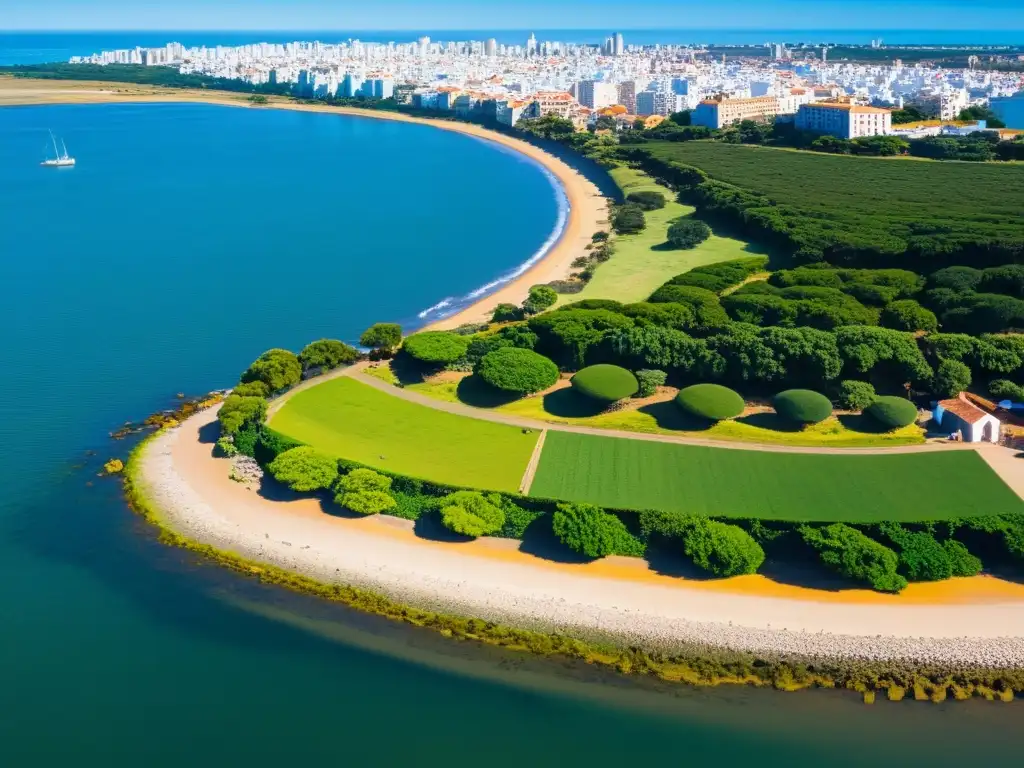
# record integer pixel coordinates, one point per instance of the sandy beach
(618, 598)
(588, 209)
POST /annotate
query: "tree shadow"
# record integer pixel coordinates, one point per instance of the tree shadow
(407, 370)
(476, 392)
(668, 415)
(429, 526)
(667, 246)
(540, 541)
(858, 422)
(1005, 570)
(209, 433)
(772, 421)
(668, 560)
(808, 574)
(569, 403)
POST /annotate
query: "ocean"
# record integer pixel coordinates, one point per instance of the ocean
(187, 240)
(41, 47)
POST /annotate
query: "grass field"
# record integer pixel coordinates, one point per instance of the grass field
(640, 265)
(638, 474)
(354, 421)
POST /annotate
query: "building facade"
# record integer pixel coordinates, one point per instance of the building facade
(597, 94)
(718, 113)
(845, 121)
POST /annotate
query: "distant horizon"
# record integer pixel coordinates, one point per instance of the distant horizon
(419, 29)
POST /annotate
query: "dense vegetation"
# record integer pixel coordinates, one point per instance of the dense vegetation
(710, 401)
(802, 406)
(605, 383)
(512, 369)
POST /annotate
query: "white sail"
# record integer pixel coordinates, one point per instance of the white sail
(61, 159)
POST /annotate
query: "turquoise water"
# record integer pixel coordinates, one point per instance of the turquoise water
(189, 239)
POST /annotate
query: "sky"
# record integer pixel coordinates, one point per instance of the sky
(411, 15)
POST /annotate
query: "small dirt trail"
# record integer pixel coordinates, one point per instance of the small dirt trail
(531, 467)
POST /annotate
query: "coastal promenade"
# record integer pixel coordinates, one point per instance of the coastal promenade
(588, 208)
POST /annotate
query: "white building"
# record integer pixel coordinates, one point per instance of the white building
(844, 120)
(959, 414)
(718, 113)
(597, 94)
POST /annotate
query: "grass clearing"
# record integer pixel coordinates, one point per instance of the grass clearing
(639, 265)
(354, 421)
(635, 474)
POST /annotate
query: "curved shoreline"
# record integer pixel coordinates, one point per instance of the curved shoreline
(587, 207)
(614, 601)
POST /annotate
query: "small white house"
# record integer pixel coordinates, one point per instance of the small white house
(960, 414)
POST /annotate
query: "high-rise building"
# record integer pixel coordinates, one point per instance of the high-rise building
(619, 45)
(627, 95)
(597, 94)
(531, 45)
(491, 47)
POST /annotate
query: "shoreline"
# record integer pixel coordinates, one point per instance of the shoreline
(586, 207)
(613, 601)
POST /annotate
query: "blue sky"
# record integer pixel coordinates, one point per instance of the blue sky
(517, 14)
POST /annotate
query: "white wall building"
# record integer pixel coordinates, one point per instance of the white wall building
(845, 121)
(958, 414)
(597, 94)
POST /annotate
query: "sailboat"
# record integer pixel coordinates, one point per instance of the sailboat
(61, 158)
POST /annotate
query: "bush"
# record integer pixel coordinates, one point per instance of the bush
(592, 532)
(225, 447)
(237, 411)
(605, 383)
(721, 275)
(327, 354)
(649, 381)
(365, 492)
(921, 557)
(436, 347)
(247, 438)
(277, 368)
(722, 549)
(304, 469)
(472, 514)
(908, 315)
(892, 412)
(251, 389)
(710, 401)
(647, 200)
(521, 371)
(855, 556)
(961, 561)
(951, 378)
(856, 395)
(506, 313)
(517, 520)
(803, 406)
(384, 336)
(628, 219)
(688, 233)
(1004, 389)
(541, 297)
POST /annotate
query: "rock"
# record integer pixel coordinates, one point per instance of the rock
(113, 467)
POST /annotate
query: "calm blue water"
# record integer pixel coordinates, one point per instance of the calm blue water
(189, 239)
(38, 47)
(1010, 110)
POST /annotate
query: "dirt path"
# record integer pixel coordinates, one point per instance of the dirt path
(531, 467)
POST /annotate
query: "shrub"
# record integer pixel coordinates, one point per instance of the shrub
(892, 412)
(1004, 389)
(856, 395)
(647, 200)
(411, 506)
(251, 389)
(517, 519)
(327, 354)
(505, 313)
(384, 336)
(722, 549)
(961, 561)
(277, 368)
(436, 347)
(541, 297)
(951, 378)
(958, 279)
(628, 219)
(365, 492)
(688, 233)
(908, 315)
(605, 383)
(705, 304)
(237, 411)
(472, 514)
(721, 275)
(855, 556)
(921, 557)
(246, 439)
(521, 371)
(710, 401)
(225, 447)
(803, 406)
(591, 531)
(649, 381)
(304, 469)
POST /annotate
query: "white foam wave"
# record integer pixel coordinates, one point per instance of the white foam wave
(440, 305)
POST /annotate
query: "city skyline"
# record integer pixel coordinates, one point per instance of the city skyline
(470, 15)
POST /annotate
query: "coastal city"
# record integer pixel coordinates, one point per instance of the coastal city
(614, 79)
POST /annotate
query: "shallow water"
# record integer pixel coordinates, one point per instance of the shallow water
(164, 262)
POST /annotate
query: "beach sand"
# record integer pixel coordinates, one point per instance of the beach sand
(619, 598)
(588, 209)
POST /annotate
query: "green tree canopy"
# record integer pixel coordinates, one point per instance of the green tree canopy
(327, 354)
(304, 469)
(590, 530)
(892, 412)
(277, 368)
(648, 200)
(605, 383)
(436, 347)
(472, 514)
(722, 549)
(236, 412)
(628, 219)
(365, 492)
(541, 297)
(517, 370)
(688, 233)
(710, 401)
(385, 336)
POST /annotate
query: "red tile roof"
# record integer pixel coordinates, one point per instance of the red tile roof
(963, 409)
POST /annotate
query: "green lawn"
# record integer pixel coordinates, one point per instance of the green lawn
(354, 421)
(639, 266)
(634, 474)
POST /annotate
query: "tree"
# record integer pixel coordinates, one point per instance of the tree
(802, 406)
(710, 401)
(832, 145)
(251, 389)
(436, 347)
(541, 297)
(567, 335)
(383, 336)
(952, 378)
(650, 380)
(855, 555)
(605, 383)
(472, 514)
(512, 369)
(506, 313)
(856, 395)
(365, 492)
(648, 200)
(628, 219)
(909, 114)
(1004, 389)
(908, 315)
(590, 530)
(237, 411)
(277, 368)
(721, 548)
(304, 469)
(978, 112)
(681, 118)
(688, 233)
(327, 354)
(892, 412)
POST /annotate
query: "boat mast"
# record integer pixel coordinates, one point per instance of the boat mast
(65, 148)
(54, 139)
